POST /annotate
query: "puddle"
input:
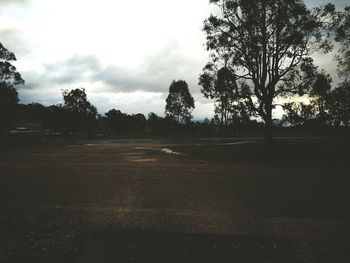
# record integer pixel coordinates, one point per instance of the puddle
(144, 160)
(163, 150)
(168, 151)
(143, 149)
(133, 153)
(234, 143)
(139, 159)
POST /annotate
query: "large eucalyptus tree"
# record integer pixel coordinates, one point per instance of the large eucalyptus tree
(268, 45)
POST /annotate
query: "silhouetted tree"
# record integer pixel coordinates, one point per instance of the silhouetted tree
(343, 37)
(9, 78)
(154, 122)
(339, 98)
(138, 123)
(179, 103)
(220, 85)
(81, 113)
(121, 123)
(59, 119)
(320, 96)
(339, 105)
(298, 114)
(34, 113)
(267, 44)
(159, 125)
(314, 113)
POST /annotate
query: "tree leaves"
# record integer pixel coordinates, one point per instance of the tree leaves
(179, 103)
(9, 78)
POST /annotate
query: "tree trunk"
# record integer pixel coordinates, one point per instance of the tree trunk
(268, 131)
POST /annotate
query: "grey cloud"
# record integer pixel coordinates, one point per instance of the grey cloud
(32, 79)
(156, 72)
(105, 102)
(154, 75)
(13, 1)
(340, 4)
(120, 79)
(77, 68)
(14, 40)
(40, 97)
(5, 3)
(170, 63)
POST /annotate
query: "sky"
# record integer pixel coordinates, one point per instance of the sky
(124, 53)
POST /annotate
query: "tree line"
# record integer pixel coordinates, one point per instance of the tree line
(260, 53)
(77, 116)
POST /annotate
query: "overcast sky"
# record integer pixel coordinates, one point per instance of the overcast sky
(124, 53)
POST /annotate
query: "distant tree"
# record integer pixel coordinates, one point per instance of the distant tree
(339, 105)
(154, 122)
(239, 114)
(138, 123)
(267, 44)
(298, 114)
(124, 124)
(316, 112)
(339, 98)
(159, 125)
(9, 78)
(35, 113)
(82, 114)
(119, 122)
(220, 85)
(320, 96)
(322, 85)
(179, 103)
(169, 125)
(59, 119)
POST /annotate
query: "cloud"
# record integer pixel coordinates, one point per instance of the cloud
(5, 3)
(102, 54)
(43, 96)
(156, 72)
(76, 68)
(139, 89)
(339, 4)
(120, 79)
(79, 68)
(129, 102)
(14, 41)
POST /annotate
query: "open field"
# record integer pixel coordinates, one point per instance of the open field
(195, 200)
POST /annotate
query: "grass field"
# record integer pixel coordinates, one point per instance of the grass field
(176, 200)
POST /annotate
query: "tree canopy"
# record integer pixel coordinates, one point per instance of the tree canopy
(9, 78)
(221, 86)
(179, 103)
(339, 105)
(343, 37)
(81, 114)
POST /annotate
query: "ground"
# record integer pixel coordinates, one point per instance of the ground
(176, 200)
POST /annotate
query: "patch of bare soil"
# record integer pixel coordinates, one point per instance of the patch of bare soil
(133, 202)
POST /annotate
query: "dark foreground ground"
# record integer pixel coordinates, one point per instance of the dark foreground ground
(218, 200)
